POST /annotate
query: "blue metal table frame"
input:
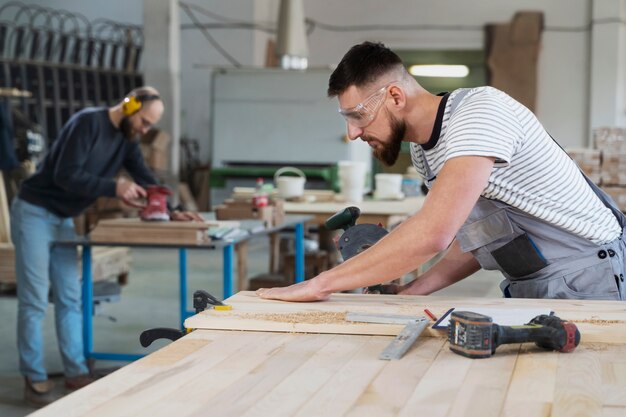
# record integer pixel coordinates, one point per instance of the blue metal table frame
(228, 250)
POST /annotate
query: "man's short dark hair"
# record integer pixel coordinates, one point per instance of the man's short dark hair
(361, 65)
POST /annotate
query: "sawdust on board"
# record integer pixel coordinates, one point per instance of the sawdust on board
(309, 317)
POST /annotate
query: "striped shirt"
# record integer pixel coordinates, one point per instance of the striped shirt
(531, 172)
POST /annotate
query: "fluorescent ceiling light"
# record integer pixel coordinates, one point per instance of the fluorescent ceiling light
(453, 71)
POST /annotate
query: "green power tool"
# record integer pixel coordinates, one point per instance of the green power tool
(356, 237)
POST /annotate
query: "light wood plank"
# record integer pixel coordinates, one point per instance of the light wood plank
(144, 382)
(531, 391)
(259, 381)
(613, 362)
(613, 411)
(343, 390)
(5, 223)
(389, 392)
(434, 393)
(252, 373)
(198, 393)
(486, 384)
(314, 374)
(578, 389)
(598, 321)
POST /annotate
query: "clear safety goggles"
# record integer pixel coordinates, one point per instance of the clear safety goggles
(365, 112)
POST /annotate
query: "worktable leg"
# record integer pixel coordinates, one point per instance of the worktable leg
(228, 270)
(274, 252)
(87, 303)
(242, 265)
(182, 269)
(299, 252)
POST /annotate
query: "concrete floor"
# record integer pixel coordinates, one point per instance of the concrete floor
(151, 300)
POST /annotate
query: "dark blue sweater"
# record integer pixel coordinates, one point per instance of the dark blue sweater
(82, 163)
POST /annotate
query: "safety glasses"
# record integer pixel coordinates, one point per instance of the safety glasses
(365, 112)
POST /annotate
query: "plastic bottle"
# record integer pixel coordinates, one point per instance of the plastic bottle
(259, 198)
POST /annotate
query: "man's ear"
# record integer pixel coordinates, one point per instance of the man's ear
(398, 96)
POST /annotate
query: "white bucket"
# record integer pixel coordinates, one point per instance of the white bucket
(352, 180)
(388, 186)
(289, 186)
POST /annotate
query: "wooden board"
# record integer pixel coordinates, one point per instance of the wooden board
(5, 222)
(107, 262)
(7, 263)
(402, 207)
(225, 373)
(598, 321)
(138, 231)
(387, 213)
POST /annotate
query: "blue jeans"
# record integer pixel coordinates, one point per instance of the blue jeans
(38, 265)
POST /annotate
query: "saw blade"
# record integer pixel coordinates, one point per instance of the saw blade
(358, 238)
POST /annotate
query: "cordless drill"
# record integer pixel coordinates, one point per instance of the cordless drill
(475, 335)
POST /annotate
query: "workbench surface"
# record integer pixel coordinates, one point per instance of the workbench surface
(281, 373)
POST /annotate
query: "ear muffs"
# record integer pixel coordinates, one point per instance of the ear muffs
(132, 104)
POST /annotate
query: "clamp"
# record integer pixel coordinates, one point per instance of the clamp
(202, 300)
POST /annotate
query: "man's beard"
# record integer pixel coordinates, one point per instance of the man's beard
(388, 155)
(126, 127)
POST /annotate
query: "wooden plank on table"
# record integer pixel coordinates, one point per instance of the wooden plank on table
(407, 206)
(5, 223)
(578, 388)
(531, 390)
(491, 379)
(134, 390)
(393, 386)
(433, 394)
(138, 223)
(7, 263)
(138, 231)
(598, 321)
(613, 362)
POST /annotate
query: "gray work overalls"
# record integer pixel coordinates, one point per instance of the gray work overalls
(538, 259)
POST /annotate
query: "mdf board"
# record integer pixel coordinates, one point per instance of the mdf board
(233, 373)
(598, 321)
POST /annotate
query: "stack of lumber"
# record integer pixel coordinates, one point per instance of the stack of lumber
(611, 142)
(589, 162)
(138, 231)
(108, 262)
(605, 165)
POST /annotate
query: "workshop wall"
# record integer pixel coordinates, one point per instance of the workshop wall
(563, 81)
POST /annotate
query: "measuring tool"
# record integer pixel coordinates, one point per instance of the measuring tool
(474, 335)
(404, 340)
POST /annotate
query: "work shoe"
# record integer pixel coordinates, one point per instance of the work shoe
(156, 207)
(77, 382)
(38, 393)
